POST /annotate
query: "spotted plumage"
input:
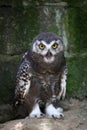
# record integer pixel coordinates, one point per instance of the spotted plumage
(41, 78)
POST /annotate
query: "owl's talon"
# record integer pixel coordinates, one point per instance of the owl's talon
(53, 117)
(36, 116)
(61, 116)
(42, 115)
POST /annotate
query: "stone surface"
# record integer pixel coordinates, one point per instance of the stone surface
(75, 119)
(6, 112)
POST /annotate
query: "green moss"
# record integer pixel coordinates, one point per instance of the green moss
(77, 29)
(26, 26)
(8, 69)
(77, 77)
(18, 27)
(75, 3)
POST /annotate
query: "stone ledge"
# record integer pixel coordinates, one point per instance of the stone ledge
(75, 119)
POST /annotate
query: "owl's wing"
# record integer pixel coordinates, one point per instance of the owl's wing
(23, 81)
(63, 84)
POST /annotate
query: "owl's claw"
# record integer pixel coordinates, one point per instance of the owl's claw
(36, 115)
(42, 115)
(59, 116)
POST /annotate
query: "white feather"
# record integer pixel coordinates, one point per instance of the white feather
(21, 83)
(49, 60)
(36, 111)
(51, 111)
(47, 47)
(63, 87)
(27, 86)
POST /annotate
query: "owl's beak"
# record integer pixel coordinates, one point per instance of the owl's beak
(48, 55)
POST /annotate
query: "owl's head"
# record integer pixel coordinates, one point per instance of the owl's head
(48, 46)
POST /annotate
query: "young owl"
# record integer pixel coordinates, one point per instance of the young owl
(41, 78)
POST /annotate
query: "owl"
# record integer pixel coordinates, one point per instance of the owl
(41, 78)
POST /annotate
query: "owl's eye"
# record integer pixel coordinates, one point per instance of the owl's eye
(55, 45)
(41, 46)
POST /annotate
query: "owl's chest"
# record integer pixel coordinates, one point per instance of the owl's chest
(47, 79)
(49, 87)
(49, 83)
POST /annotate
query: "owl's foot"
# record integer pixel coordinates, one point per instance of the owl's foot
(36, 113)
(59, 109)
(52, 112)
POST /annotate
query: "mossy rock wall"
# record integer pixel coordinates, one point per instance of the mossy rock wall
(21, 21)
(18, 27)
(77, 49)
(77, 76)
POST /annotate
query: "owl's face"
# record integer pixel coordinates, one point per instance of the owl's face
(48, 45)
